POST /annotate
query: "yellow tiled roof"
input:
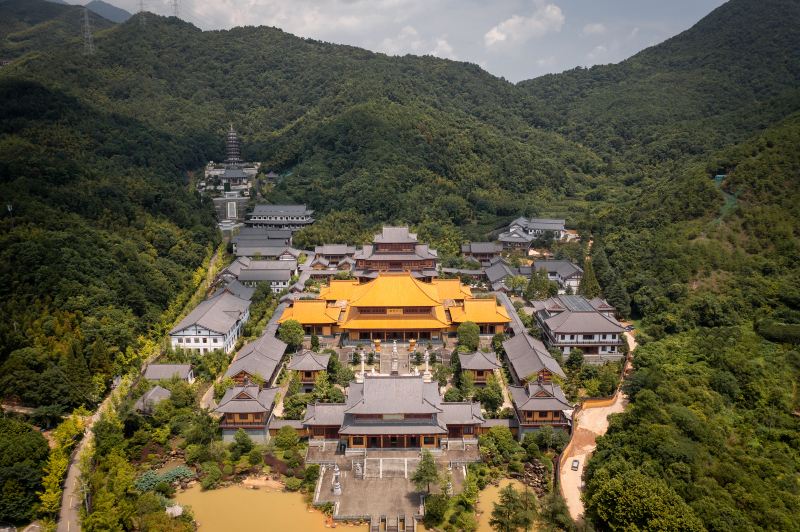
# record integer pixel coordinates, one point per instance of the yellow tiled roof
(398, 323)
(480, 311)
(395, 290)
(311, 311)
(451, 289)
(338, 290)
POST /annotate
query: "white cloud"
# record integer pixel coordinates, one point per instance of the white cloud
(443, 49)
(545, 19)
(598, 52)
(595, 28)
(407, 41)
(548, 61)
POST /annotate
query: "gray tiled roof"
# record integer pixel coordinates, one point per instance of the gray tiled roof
(395, 235)
(481, 247)
(399, 427)
(498, 271)
(151, 398)
(281, 210)
(407, 394)
(544, 224)
(421, 252)
(253, 364)
(266, 251)
(568, 322)
(564, 268)
(265, 275)
(308, 360)
(161, 372)
(247, 399)
(508, 422)
(528, 356)
(328, 414)
(334, 249)
(461, 413)
(552, 397)
(478, 360)
(219, 314)
(238, 289)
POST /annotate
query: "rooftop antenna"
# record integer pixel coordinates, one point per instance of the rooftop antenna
(175, 8)
(142, 18)
(88, 42)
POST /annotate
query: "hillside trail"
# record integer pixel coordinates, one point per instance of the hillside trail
(589, 423)
(72, 497)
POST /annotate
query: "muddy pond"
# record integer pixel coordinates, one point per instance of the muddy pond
(240, 508)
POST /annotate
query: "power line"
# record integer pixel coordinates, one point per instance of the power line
(88, 41)
(142, 18)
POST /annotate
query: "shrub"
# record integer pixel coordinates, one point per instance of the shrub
(286, 438)
(212, 476)
(293, 484)
(312, 473)
(254, 457)
(227, 469)
(435, 508)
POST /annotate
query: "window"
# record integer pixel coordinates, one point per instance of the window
(542, 413)
(242, 417)
(468, 430)
(358, 440)
(197, 340)
(205, 340)
(428, 440)
(180, 340)
(216, 340)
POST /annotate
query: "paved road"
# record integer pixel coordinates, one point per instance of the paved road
(587, 426)
(72, 498)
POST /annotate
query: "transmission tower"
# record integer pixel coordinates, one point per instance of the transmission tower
(142, 19)
(175, 8)
(88, 42)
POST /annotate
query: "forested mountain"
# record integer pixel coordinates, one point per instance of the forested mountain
(108, 11)
(732, 74)
(95, 151)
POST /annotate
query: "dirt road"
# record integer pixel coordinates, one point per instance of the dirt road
(589, 423)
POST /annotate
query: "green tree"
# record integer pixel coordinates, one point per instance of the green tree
(516, 283)
(291, 332)
(574, 359)
(435, 509)
(468, 335)
(636, 501)
(286, 438)
(540, 287)
(242, 444)
(425, 473)
(507, 511)
(314, 343)
(588, 287)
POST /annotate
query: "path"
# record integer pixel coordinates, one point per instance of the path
(589, 423)
(72, 497)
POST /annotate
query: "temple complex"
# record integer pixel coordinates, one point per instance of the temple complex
(396, 306)
(395, 250)
(393, 412)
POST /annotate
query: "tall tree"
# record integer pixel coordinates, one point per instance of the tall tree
(589, 287)
(426, 472)
(468, 335)
(291, 332)
(505, 514)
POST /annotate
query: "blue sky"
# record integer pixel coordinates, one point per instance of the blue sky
(515, 39)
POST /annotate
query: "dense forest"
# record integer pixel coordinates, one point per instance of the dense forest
(104, 236)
